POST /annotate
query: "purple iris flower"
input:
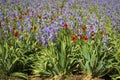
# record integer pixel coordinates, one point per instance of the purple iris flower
(18, 23)
(15, 13)
(10, 28)
(105, 39)
(113, 22)
(44, 35)
(53, 37)
(119, 20)
(88, 33)
(1, 15)
(44, 41)
(95, 28)
(80, 32)
(55, 29)
(29, 26)
(19, 26)
(21, 37)
(2, 23)
(37, 36)
(28, 17)
(46, 30)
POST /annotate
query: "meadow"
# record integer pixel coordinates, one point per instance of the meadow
(59, 39)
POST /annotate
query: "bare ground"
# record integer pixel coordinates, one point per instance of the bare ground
(72, 77)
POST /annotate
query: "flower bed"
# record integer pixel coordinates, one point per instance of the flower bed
(56, 39)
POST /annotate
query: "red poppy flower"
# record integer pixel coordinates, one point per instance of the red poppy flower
(14, 19)
(84, 28)
(65, 25)
(85, 38)
(14, 29)
(81, 36)
(20, 17)
(74, 38)
(16, 34)
(35, 28)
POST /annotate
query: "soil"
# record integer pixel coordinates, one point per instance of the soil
(72, 77)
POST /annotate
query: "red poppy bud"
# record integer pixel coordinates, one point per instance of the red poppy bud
(20, 17)
(65, 25)
(35, 28)
(84, 28)
(14, 19)
(85, 38)
(14, 29)
(74, 38)
(16, 34)
(81, 36)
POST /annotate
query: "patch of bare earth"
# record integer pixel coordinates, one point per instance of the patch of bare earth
(72, 77)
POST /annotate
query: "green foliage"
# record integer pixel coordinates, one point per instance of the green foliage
(56, 59)
(20, 75)
(9, 60)
(20, 58)
(16, 57)
(95, 59)
(115, 42)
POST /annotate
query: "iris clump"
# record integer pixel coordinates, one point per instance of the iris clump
(50, 38)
